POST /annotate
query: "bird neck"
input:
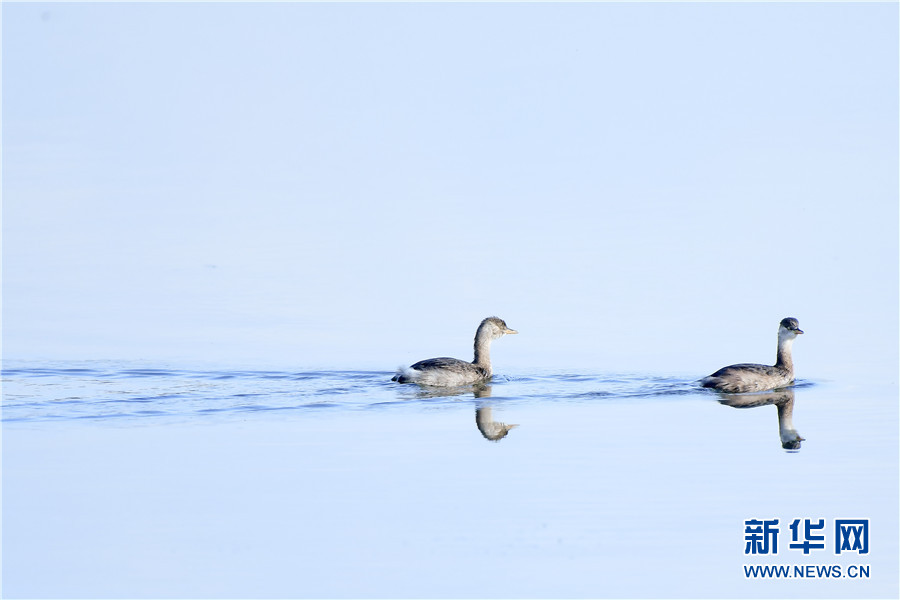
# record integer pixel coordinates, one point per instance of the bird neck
(483, 351)
(784, 354)
(785, 416)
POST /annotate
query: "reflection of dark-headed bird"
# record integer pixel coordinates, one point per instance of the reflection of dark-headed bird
(756, 378)
(783, 401)
(790, 439)
(452, 371)
(490, 429)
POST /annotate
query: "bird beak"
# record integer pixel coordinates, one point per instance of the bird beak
(509, 331)
(798, 331)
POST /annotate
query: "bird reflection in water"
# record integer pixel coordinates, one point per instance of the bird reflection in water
(424, 392)
(783, 401)
(492, 430)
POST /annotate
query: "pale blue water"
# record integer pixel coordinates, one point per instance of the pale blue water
(140, 480)
(319, 192)
(99, 391)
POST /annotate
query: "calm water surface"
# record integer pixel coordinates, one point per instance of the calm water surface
(126, 480)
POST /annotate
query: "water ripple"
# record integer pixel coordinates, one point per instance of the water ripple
(111, 391)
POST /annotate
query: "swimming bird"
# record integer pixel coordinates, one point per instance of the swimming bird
(452, 371)
(756, 378)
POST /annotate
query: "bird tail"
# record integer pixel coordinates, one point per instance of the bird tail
(405, 375)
